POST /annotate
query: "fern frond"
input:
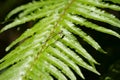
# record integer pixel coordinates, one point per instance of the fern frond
(50, 48)
(114, 1)
(83, 22)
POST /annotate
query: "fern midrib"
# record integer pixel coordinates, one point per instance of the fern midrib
(44, 46)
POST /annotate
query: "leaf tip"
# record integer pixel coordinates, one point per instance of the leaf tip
(101, 50)
(2, 30)
(7, 49)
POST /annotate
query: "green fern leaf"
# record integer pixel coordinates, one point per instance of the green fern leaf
(114, 1)
(50, 49)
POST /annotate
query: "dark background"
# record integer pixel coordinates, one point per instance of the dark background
(109, 43)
